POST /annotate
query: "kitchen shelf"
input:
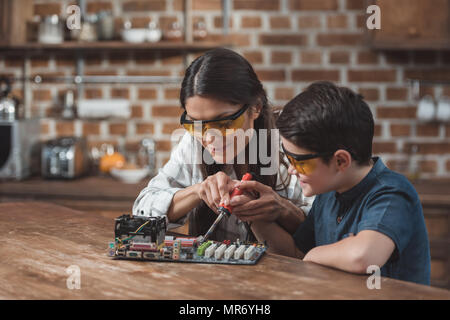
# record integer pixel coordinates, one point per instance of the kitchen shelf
(79, 46)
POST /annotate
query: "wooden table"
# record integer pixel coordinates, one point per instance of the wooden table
(40, 240)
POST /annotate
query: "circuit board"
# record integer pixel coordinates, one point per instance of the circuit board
(149, 242)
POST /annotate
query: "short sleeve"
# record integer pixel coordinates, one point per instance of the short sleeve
(390, 212)
(304, 236)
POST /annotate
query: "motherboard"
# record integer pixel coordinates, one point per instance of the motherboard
(144, 238)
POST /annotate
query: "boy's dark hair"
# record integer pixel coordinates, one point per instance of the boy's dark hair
(325, 118)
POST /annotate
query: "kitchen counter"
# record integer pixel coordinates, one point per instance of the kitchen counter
(96, 193)
(109, 197)
(41, 240)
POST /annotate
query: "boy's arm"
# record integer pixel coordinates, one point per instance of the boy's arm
(355, 253)
(278, 240)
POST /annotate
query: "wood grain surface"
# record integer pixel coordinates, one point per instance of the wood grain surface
(39, 241)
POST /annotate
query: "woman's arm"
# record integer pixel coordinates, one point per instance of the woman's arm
(182, 202)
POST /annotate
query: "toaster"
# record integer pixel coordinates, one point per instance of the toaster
(65, 158)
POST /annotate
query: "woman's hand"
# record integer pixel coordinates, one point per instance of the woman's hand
(267, 207)
(215, 190)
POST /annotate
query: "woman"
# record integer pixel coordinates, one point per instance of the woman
(221, 93)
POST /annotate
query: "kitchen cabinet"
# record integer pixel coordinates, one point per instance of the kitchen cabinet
(412, 24)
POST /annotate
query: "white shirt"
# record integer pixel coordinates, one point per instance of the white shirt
(181, 172)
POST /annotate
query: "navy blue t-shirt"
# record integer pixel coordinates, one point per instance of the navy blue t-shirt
(384, 201)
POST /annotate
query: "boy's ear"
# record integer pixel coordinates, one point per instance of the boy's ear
(343, 159)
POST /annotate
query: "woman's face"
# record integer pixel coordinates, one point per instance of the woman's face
(223, 149)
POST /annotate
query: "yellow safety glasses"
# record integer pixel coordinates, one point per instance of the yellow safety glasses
(304, 163)
(226, 125)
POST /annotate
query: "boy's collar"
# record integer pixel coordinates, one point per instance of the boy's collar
(348, 196)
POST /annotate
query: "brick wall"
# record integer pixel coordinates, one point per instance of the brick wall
(290, 43)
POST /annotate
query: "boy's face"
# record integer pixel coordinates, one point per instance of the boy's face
(318, 177)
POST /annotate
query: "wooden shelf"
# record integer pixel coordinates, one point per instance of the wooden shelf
(78, 46)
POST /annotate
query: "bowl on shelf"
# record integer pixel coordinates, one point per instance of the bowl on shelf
(129, 174)
(137, 35)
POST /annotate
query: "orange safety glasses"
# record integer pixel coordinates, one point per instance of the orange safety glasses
(226, 125)
(304, 163)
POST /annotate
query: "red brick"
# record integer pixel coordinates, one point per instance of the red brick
(377, 130)
(355, 4)
(428, 166)
(302, 5)
(46, 9)
(337, 21)
(251, 22)
(95, 7)
(283, 39)
(156, 73)
(280, 22)
(314, 75)
(145, 128)
(206, 5)
(429, 148)
(344, 39)
(166, 111)
(168, 128)
(311, 57)
(137, 111)
(171, 59)
(271, 75)
(39, 62)
(120, 93)
(369, 94)
(140, 22)
(281, 57)
(406, 112)
(171, 93)
(163, 145)
(144, 6)
(254, 57)
(42, 95)
(428, 130)
(433, 74)
(93, 93)
(400, 130)
(371, 75)
(147, 94)
(367, 57)
(218, 22)
(397, 94)
(91, 128)
(13, 61)
(44, 128)
(65, 128)
(118, 128)
(284, 93)
(266, 5)
(384, 147)
(339, 57)
(308, 22)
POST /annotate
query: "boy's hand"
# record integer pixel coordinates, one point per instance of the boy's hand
(266, 207)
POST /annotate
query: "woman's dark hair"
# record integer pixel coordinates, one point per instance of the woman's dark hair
(325, 118)
(224, 75)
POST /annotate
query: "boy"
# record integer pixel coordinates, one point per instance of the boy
(364, 214)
